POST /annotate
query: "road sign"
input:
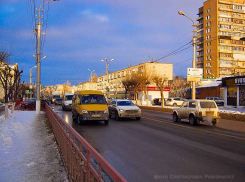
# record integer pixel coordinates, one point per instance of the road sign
(193, 79)
(195, 72)
(27, 91)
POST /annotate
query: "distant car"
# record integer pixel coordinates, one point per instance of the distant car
(67, 101)
(218, 100)
(58, 101)
(124, 109)
(174, 102)
(196, 111)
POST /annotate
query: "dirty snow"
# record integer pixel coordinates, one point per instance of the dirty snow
(28, 151)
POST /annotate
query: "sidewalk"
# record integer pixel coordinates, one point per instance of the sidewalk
(28, 151)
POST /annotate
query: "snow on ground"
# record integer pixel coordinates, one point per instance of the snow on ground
(28, 151)
(228, 109)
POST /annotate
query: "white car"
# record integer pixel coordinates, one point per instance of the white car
(174, 102)
(196, 111)
(217, 100)
(124, 109)
(67, 101)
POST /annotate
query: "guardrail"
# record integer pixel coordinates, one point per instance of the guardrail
(81, 160)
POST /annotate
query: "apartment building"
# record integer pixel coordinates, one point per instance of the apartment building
(112, 83)
(221, 38)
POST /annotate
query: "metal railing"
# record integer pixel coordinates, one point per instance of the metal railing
(81, 160)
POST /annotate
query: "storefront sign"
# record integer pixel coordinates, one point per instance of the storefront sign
(233, 81)
(157, 89)
(240, 81)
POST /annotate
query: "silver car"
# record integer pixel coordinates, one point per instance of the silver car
(124, 109)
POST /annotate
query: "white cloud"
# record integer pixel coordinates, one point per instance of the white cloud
(91, 15)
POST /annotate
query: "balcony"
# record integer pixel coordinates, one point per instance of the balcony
(200, 49)
(201, 55)
(199, 18)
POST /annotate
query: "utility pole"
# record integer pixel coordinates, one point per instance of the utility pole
(194, 51)
(38, 31)
(91, 78)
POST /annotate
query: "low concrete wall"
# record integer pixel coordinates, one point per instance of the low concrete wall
(224, 115)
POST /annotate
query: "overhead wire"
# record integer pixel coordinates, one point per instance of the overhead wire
(174, 52)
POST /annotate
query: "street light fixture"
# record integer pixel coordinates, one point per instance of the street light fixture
(194, 51)
(91, 78)
(39, 24)
(107, 70)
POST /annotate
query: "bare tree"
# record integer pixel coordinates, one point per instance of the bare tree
(66, 87)
(134, 85)
(160, 82)
(126, 83)
(144, 79)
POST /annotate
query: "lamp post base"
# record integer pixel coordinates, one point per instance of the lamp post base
(38, 106)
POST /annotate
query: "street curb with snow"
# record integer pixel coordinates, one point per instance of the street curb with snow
(232, 114)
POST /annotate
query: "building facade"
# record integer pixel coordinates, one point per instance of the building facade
(113, 86)
(234, 90)
(221, 38)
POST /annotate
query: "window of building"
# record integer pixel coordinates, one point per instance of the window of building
(209, 58)
(208, 17)
(208, 10)
(208, 71)
(208, 43)
(208, 50)
(208, 64)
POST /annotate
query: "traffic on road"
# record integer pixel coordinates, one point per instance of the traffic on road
(156, 148)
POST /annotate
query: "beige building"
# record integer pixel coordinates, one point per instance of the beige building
(221, 38)
(87, 86)
(114, 80)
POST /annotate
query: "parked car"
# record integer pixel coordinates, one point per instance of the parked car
(157, 101)
(67, 101)
(196, 111)
(174, 102)
(124, 109)
(218, 100)
(89, 105)
(58, 101)
(29, 103)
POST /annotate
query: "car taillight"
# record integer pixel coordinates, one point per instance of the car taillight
(200, 113)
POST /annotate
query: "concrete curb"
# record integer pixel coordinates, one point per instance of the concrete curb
(229, 116)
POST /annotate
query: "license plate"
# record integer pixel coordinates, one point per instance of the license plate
(96, 115)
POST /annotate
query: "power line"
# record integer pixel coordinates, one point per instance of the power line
(174, 52)
(45, 29)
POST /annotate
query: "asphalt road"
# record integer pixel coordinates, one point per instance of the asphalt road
(156, 149)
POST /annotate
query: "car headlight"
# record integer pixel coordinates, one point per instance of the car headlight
(106, 111)
(84, 111)
(139, 110)
(120, 110)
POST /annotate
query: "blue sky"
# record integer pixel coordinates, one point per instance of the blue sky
(79, 33)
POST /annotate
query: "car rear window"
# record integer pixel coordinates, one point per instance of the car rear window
(125, 103)
(207, 105)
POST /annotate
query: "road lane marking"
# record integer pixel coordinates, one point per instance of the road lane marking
(194, 129)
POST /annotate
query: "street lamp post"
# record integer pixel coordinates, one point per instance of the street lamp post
(107, 70)
(31, 78)
(194, 51)
(39, 24)
(91, 77)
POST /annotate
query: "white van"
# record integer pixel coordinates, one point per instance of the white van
(67, 101)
